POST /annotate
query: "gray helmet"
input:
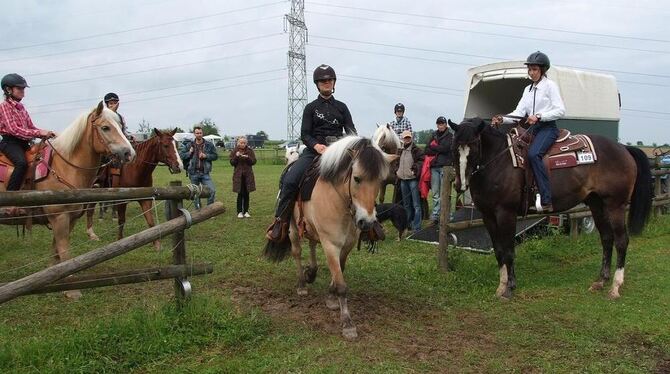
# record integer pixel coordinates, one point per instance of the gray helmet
(13, 80)
(324, 72)
(399, 107)
(538, 58)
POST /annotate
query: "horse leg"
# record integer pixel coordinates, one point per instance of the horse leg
(382, 192)
(101, 211)
(296, 252)
(90, 211)
(121, 214)
(310, 272)
(146, 206)
(618, 221)
(338, 288)
(62, 226)
(606, 240)
(501, 226)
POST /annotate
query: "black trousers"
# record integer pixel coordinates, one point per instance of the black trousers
(14, 148)
(243, 197)
(291, 181)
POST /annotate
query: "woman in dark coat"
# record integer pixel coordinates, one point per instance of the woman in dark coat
(242, 158)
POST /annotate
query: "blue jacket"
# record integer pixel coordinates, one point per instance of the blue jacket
(192, 160)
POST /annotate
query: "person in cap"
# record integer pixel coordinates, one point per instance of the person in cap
(411, 159)
(541, 102)
(112, 102)
(16, 128)
(400, 123)
(439, 147)
(324, 120)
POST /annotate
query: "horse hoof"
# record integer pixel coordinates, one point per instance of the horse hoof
(505, 295)
(157, 245)
(350, 333)
(613, 295)
(332, 304)
(302, 292)
(93, 237)
(73, 294)
(310, 274)
(596, 286)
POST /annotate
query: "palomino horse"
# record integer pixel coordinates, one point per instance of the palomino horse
(342, 205)
(389, 142)
(621, 174)
(75, 162)
(159, 148)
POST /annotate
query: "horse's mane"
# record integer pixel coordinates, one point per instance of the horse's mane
(70, 138)
(340, 156)
(384, 136)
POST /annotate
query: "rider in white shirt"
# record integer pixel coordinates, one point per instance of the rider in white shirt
(542, 104)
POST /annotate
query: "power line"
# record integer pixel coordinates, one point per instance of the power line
(181, 33)
(156, 55)
(140, 28)
(166, 88)
(524, 27)
(403, 87)
(158, 68)
(645, 111)
(480, 56)
(173, 95)
(491, 33)
(398, 82)
(393, 55)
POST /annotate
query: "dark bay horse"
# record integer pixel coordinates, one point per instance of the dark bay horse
(342, 204)
(161, 147)
(75, 162)
(619, 176)
(389, 142)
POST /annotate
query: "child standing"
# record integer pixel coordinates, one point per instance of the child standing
(242, 158)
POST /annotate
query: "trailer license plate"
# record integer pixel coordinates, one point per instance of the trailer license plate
(585, 158)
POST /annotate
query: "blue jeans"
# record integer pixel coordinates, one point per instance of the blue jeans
(205, 180)
(436, 189)
(411, 201)
(545, 136)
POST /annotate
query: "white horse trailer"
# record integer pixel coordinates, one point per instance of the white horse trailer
(592, 101)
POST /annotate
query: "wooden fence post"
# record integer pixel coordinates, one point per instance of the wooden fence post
(182, 287)
(445, 214)
(657, 192)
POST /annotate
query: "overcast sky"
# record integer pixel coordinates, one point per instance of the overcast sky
(175, 62)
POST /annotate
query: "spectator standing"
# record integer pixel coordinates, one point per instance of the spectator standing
(411, 158)
(242, 157)
(439, 147)
(199, 155)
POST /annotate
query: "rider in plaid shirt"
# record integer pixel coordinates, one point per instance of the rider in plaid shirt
(400, 123)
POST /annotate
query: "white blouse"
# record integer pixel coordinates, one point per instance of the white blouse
(543, 99)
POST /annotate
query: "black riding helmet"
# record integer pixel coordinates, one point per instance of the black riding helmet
(399, 107)
(13, 80)
(324, 72)
(441, 119)
(111, 96)
(539, 58)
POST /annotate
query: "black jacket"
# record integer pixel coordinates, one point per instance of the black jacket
(324, 118)
(441, 151)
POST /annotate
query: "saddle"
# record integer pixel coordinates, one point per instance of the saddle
(39, 161)
(305, 189)
(567, 151)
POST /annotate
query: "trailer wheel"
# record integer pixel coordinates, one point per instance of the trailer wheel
(587, 225)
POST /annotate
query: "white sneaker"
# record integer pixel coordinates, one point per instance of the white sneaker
(247, 215)
(240, 215)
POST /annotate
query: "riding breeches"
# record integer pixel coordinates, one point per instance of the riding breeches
(291, 182)
(14, 149)
(545, 135)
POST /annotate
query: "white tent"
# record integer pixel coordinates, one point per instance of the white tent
(181, 136)
(213, 137)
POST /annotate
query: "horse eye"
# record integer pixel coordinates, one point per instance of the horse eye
(105, 128)
(357, 179)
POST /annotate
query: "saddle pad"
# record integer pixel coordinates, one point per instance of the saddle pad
(309, 180)
(3, 173)
(42, 169)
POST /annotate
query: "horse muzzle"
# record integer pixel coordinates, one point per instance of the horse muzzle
(124, 154)
(364, 225)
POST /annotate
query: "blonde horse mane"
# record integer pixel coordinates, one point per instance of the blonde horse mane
(385, 138)
(70, 138)
(340, 156)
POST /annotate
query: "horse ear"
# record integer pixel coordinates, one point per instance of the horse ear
(377, 125)
(173, 131)
(452, 125)
(99, 109)
(481, 125)
(157, 131)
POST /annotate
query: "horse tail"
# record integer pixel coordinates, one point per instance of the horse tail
(640, 201)
(277, 251)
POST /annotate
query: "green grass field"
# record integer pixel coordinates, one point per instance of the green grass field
(247, 317)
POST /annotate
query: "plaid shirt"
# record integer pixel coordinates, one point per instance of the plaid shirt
(15, 121)
(401, 126)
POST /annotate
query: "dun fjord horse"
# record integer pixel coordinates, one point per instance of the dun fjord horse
(342, 204)
(74, 165)
(620, 175)
(159, 148)
(389, 142)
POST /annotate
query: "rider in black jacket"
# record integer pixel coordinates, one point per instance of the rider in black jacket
(323, 121)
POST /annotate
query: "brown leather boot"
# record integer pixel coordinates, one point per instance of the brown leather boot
(277, 231)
